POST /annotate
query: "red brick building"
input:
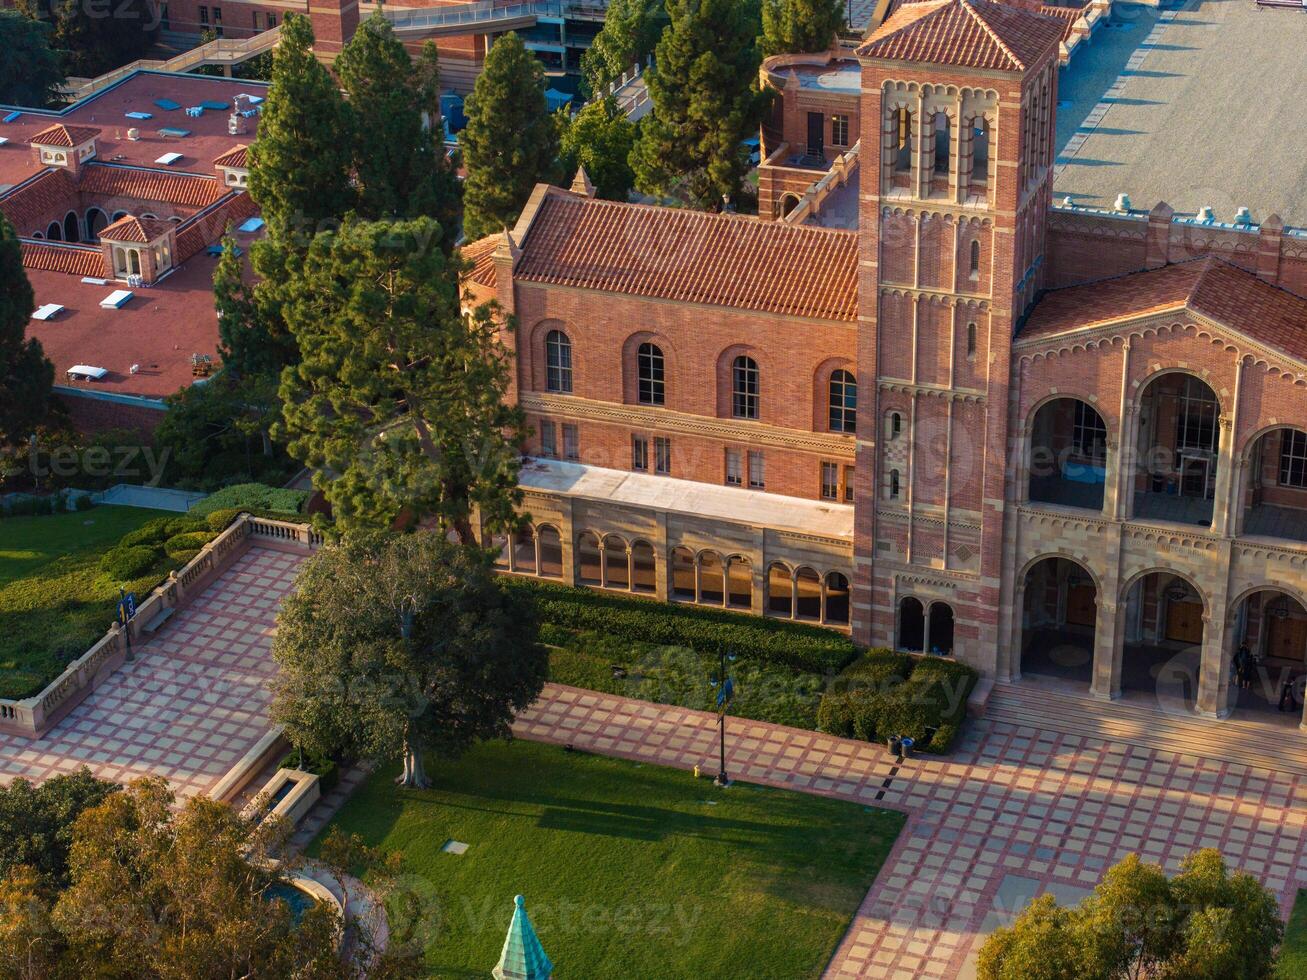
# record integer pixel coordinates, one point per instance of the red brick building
(924, 403)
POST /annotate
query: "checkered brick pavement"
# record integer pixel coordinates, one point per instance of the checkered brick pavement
(1011, 813)
(194, 701)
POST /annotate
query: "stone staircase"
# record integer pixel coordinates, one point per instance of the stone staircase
(1271, 744)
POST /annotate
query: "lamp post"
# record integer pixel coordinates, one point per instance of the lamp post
(724, 685)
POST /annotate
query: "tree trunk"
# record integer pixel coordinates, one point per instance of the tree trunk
(414, 775)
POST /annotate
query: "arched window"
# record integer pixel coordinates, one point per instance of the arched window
(893, 484)
(744, 388)
(588, 562)
(941, 628)
(902, 140)
(975, 259)
(837, 598)
(38, 235)
(895, 425)
(943, 140)
(652, 377)
(912, 624)
(739, 583)
(644, 567)
(95, 223)
(134, 261)
(524, 551)
(55, 232)
(551, 552)
(979, 148)
(558, 362)
(780, 591)
(683, 584)
(843, 402)
(788, 203)
(971, 340)
(72, 227)
(617, 570)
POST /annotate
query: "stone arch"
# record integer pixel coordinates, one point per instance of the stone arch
(780, 590)
(1270, 475)
(550, 544)
(644, 566)
(712, 577)
(1065, 452)
(837, 591)
(683, 564)
(787, 203)
(537, 362)
(96, 222)
(616, 562)
(1057, 638)
(1138, 576)
(807, 594)
(589, 560)
(72, 227)
(910, 624)
(739, 582)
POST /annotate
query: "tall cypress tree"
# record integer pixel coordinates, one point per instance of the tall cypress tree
(300, 162)
(704, 87)
(25, 373)
(797, 26)
(398, 155)
(511, 141)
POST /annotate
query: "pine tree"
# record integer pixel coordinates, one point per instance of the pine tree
(704, 87)
(300, 161)
(25, 374)
(599, 138)
(29, 71)
(510, 143)
(251, 341)
(397, 404)
(398, 152)
(797, 26)
(630, 32)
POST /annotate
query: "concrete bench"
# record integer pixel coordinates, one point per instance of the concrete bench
(156, 623)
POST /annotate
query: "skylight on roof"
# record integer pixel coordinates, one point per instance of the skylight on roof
(251, 224)
(3, 140)
(140, 115)
(47, 311)
(11, 117)
(117, 299)
(86, 372)
(168, 159)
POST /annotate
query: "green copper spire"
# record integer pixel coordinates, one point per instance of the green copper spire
(523, 957)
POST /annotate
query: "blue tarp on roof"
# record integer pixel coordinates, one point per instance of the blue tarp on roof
(168, 104)
(216, 106)
(174, 131)
(12, 116)
(555, 99)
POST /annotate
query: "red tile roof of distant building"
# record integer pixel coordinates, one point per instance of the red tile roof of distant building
(481, 254)
(31, 203)
(62, 135)
(237, 157)
(132, 229)
(189, 190)
(675, 253)
(72, 260)
(1206, 286)
(964, 33)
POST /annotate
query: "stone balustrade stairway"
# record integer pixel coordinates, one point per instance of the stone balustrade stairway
(1273, 744)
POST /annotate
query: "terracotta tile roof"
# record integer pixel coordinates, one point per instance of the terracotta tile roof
(202, 230)
(39, 200)
(1207, 286)
(1068, 16)
(481, 254)
(964, 33)
(237, 157)
(61, 134)
(133, 229)
(692, 256)
(75, 260)
(188, 190)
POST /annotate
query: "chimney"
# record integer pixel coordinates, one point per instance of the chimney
(334, 23)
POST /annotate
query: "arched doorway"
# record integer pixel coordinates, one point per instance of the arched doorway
(524, 551)
(1273, 500)
(551, 552)
(807, 594)
(1268, 650)
(96, 221)
(1176, 458)
(739, 583)
(55, 232)
(780, 591)
(617, 571)
(644, 567)
(72, 227)
(1163, 632)
(940, 633)
(1068, 454)
(683, 574)
(1058, 615)
(712, 579)
(588, 562)
(788, 203)
(912, 624)
(837, 599)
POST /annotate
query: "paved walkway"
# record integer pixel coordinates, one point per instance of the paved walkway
(194, 701)
(1013, 812)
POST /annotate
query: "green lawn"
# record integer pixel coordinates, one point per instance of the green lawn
(53, 601)
(1292, 963)
(628, 870)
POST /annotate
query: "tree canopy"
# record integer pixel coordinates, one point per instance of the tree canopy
(26, 375)
(399, 157)
(798, 26)
(599, 138)
(30, 70)
(1204, 924)
(401, 644)
(510, 143)
(301, 159)
(397, 404)
(38, 822)
(631, 29)
(706, 102)
(93, 38)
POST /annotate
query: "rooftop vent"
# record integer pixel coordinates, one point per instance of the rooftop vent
(47, 311)
(133, 134)
(1243, 217)
(1206, 215)
(86, 372)
(117, 299)
(168, 159)
(1122, 202)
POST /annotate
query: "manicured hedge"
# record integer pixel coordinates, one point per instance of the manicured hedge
(187, 543)
(252, 497)
(806, 648)
(127, 561)
(883, 694)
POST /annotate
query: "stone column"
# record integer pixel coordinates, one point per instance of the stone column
(567, 540)
(698, 580)
(1217, 650)
(603, 564)
(512, 551)
(1224, 474)
(662, 559)
(758, 573)
(630, 568)
(1109, 644)
(794, 594)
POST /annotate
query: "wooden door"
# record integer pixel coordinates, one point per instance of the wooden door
(1287, 639)
(1081, 605)
(1184, 622)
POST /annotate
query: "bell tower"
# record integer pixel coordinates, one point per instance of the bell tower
(953, 201)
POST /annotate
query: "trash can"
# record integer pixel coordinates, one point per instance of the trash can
(905, 746)
(895, 745)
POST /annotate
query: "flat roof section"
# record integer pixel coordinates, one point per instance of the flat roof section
(706, 500)
(1211, 114)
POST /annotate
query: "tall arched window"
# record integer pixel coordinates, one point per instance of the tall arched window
(893, 484)
(843, 402)
(971, 340)
(975, 258)
(652, 378)
(558, 362)
(902, 140)
(744, 388)
(55, 232)
(943, 142)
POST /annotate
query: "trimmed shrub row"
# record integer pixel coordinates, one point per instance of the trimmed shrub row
(883, 694)
(806, 648)
(252, 497)
(178, 538)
